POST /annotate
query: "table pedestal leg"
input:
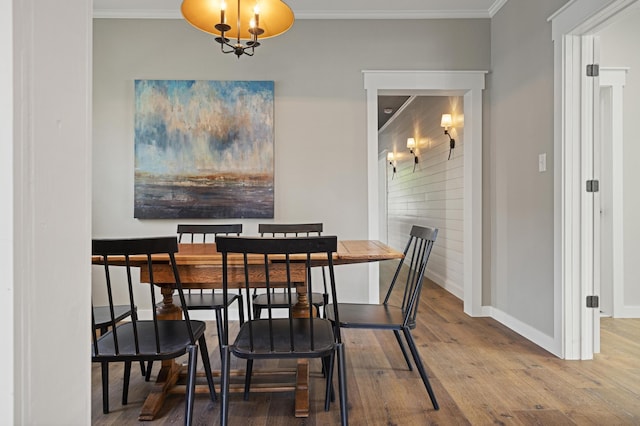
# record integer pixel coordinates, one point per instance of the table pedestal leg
(167, 378)
(302, 388)
(301, 310)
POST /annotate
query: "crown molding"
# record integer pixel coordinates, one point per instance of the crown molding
(313, 14)
(392, 14)
(137, 14)
(496, 6)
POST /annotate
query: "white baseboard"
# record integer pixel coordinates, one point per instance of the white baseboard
(629, 312)
(536, 336)
(448, 285)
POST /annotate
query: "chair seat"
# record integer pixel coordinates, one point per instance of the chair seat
(281, 300)
(354, 315)
(205, 300)
(102, 316)
(324, 340)
(173, 335)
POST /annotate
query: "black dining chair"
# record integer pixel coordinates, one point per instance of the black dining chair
(278, 297)
(276, 261)
(210, 299)
(146, 340)
(103, 321)
(386, 316)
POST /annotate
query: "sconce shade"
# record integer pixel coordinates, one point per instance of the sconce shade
(389, 156)
(275, 16)
(411, 143)
(446, 121)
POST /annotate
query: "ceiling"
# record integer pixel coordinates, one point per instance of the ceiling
(314, 9)
(388, 106)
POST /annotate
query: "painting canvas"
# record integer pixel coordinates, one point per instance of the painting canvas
(203, 149)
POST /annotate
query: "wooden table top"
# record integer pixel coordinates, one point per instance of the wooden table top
(349, 251)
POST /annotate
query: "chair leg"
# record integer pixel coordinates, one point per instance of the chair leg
(423, 373)
(402, 348)
(247, 379)
(125, 384)
(191, 384)
(342, 385)
(224, 386)
(147, 376)
(143, 369)
(206, 363)
(220, 329)
(329, 396)
(241, 309)
(105, 387)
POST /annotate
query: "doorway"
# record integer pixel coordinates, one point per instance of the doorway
(468, 84)
(573, 29)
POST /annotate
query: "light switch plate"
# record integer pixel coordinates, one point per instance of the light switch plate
(542, 162)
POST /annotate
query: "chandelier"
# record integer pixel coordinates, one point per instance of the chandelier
(239, 29)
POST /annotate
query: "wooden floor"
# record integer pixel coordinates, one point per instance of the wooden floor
(482, 373)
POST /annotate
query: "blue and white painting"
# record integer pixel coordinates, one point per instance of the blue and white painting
(203, 149)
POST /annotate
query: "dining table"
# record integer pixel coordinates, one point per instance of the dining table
(200, 267)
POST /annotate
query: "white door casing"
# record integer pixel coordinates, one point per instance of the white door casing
(572, 26)
(468, 84)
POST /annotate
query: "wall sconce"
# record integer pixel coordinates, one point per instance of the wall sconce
(411, 144)
(392, 163)
(447, 122)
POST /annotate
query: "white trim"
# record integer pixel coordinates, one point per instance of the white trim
(629, 312)
(137, 14)
(393, 14)
(569, 24)
(454, 288)
(469, 84)
(496, 6)
(124, 13)
(7, 184)
(543, 340)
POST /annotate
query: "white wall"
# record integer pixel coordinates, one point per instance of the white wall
(432, 195)
(320, 110)
(618, 46)
(520, 224)
(51, 113)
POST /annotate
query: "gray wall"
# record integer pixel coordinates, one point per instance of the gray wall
(519, 200)
(619, 48)
(432, 194)
(320, 109)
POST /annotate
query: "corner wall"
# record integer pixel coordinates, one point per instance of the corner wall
(521, 203)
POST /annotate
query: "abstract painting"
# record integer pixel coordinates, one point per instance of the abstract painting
(203, 149)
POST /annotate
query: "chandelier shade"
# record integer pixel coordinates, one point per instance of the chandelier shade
(275, 17)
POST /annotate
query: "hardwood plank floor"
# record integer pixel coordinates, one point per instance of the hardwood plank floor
(482, 373)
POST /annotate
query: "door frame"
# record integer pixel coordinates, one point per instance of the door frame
(572, 27)
(470, 85)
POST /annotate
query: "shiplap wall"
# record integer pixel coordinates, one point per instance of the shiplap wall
(432, 195)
